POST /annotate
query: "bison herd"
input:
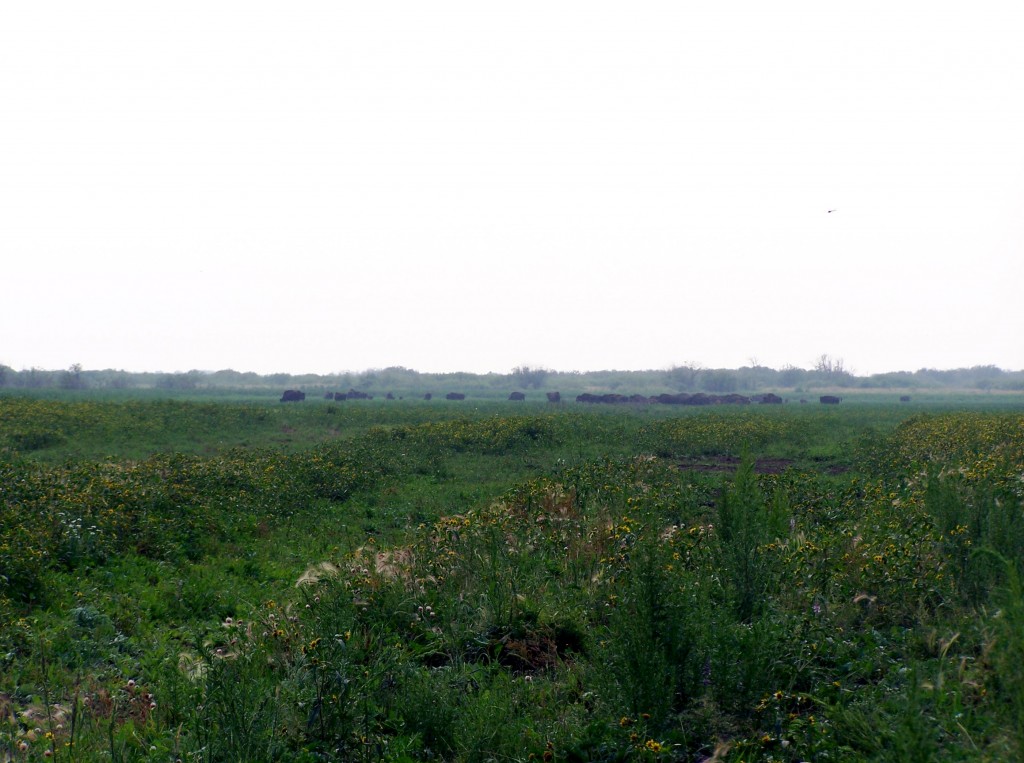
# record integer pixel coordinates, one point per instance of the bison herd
(699, 398)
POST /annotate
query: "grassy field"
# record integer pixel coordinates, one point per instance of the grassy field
(243, 580)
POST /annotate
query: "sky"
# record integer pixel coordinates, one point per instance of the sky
(321, 187)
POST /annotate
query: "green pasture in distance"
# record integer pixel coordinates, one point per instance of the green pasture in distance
(54, 425)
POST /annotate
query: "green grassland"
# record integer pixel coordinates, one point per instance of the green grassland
(229, 578)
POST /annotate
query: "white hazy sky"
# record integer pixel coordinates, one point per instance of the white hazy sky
(327, 186)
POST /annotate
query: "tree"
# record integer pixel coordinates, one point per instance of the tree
(832, 370)
(36, 378)
(72, 378)
(526, 377)
(684, 376)
(826, 366)
(791, 376)
(179, 381)
(719, 380)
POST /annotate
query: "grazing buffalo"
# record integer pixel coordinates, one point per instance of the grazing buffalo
(517, 396)
(328, 396)
(354, 394)
(340, 396)
(454, 396)
(427, 396)
(735, 399)
(769, 398)
(554, 397)
(679, 399)
(389, 396)
(904, 398)
(829, 400)
(292, 396)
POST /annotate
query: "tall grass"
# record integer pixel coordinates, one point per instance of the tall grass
(501, 583)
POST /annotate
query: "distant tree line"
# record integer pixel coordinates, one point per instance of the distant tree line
(686, 377)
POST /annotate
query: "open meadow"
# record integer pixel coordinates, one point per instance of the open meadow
(248, 580)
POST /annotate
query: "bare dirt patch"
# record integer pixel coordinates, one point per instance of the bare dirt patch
(765, 465)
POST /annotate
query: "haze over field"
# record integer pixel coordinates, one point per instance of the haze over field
(457, 186)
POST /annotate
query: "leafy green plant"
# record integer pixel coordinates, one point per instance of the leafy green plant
(745, 524)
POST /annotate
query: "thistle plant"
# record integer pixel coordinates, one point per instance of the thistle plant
(744, 525)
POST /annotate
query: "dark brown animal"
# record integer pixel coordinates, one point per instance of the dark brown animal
(554, 397)
(679, 399)
(904, 398)
(454, 396)
(292, 396)
(829, 400)
(427, 396)
(517, 396)
(734, 398)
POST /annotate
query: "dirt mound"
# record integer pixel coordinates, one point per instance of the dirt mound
(765, 465)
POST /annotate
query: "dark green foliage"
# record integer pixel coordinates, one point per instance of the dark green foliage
(745, 524)
(652, 637)
(372, 581)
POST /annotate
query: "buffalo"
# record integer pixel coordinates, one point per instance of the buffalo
(736, 399)
(292, 396)
(554, 397)
(904, 398)
(454, 396)
(667, 399)
(517, 396)
(829, 400)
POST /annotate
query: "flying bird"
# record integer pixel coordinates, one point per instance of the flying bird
(831, 211)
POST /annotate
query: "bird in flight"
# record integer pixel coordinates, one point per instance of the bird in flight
(831, 211)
